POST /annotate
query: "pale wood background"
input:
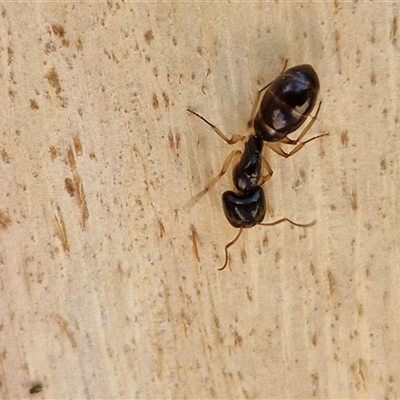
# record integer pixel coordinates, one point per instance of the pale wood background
(110, 289)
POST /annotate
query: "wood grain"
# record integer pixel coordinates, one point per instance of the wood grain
(110, 288)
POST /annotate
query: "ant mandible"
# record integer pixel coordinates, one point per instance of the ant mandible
(287, 103)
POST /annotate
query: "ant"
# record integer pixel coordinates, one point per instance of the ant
(287, 102)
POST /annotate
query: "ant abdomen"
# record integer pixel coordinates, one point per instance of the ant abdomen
(287, 103)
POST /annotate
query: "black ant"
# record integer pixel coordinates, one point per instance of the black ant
(287, 102)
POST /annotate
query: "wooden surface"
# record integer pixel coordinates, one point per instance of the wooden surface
(110, 289)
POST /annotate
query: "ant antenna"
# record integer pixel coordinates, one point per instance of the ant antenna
(227, 247)
(279, 221)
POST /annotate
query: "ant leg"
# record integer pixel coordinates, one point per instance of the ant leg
(232, 140)
(258, 95)
(232, 156)
(278, 150)
(227, 247)
(305, 130)
(284, 66)
(279, 221)
(269, 173)
(255, 105)
(301, 144)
